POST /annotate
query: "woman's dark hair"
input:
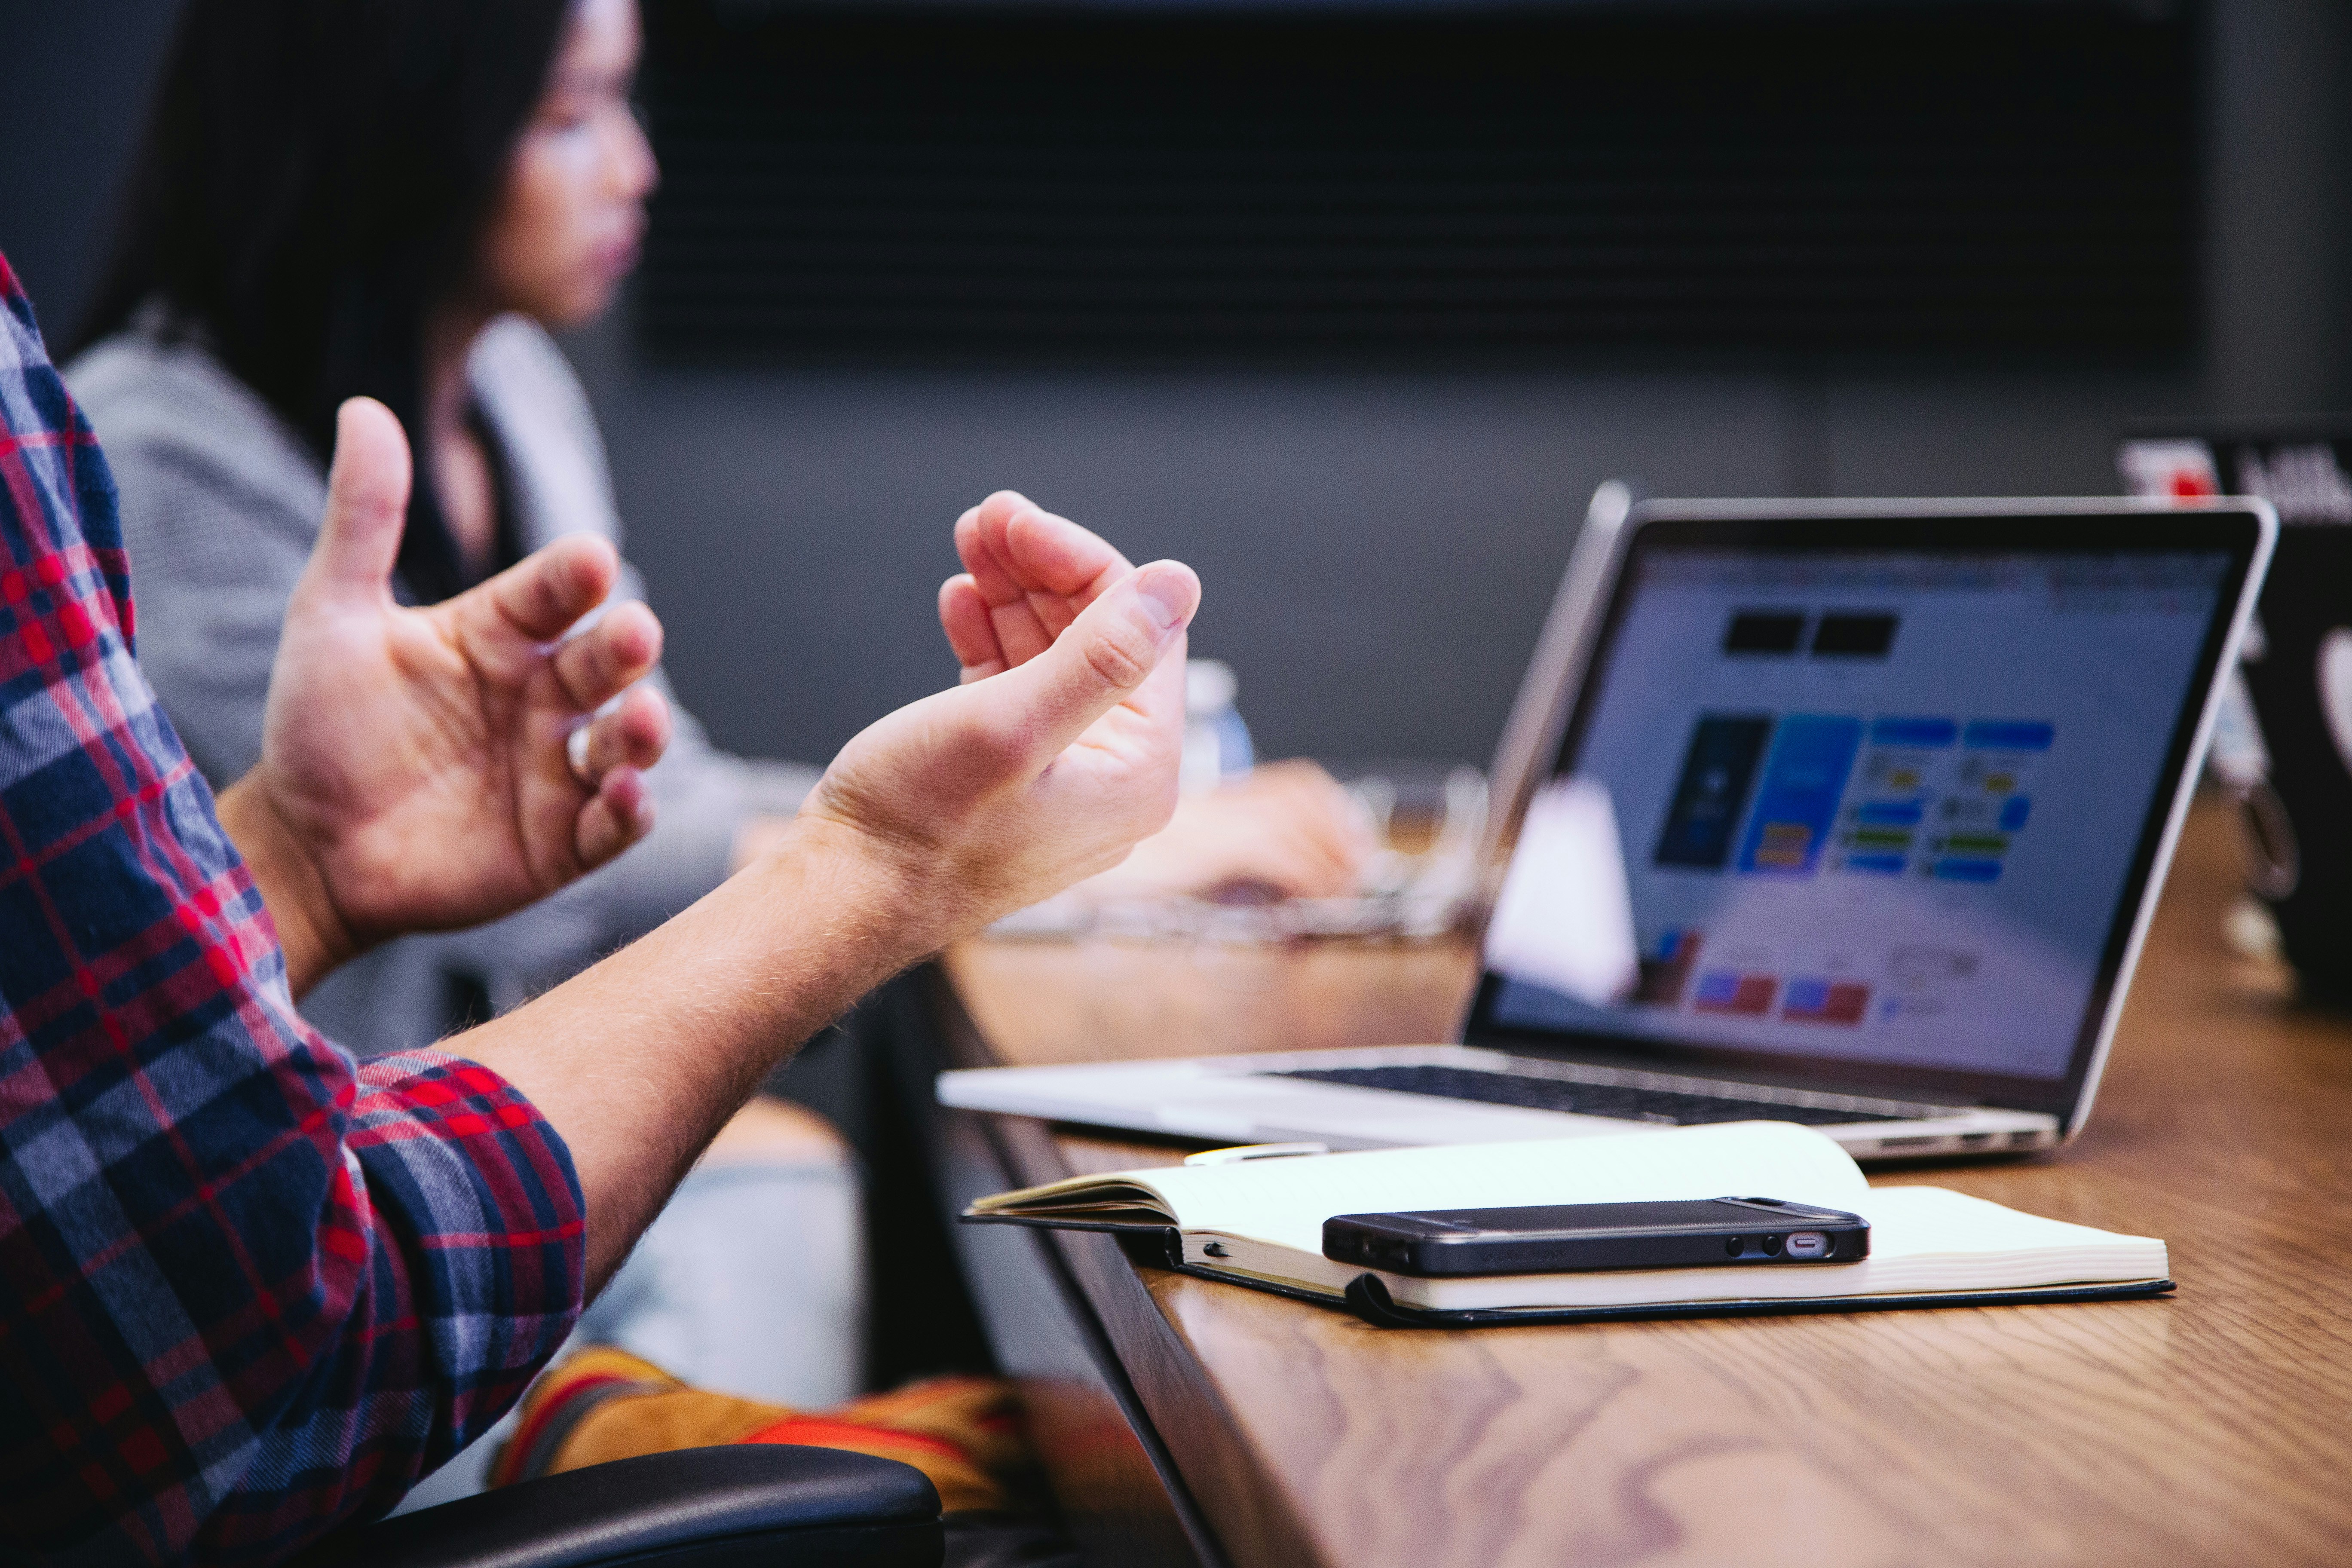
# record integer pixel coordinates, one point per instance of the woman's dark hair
(315, 178)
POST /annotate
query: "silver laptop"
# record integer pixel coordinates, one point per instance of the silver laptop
(1888, 790)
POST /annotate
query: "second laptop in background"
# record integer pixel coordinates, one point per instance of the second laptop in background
(2284, 745)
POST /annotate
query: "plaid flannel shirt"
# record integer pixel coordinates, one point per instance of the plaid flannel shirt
(248, 1290)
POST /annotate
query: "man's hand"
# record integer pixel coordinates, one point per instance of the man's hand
(1057, 754)
(414, 774)
(1059, 751)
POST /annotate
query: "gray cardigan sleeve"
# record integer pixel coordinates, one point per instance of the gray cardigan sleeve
(220, 507)
(213, 560)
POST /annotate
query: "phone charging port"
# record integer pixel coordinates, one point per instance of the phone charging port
(1809, 1244)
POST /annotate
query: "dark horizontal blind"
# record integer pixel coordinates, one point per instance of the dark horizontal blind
(1236, 186)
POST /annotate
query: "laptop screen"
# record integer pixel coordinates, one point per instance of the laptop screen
(1881, 807)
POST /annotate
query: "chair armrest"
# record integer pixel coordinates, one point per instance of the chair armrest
(777, 1505)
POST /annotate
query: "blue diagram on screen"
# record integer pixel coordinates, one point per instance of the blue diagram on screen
(1991, 801)
(1712, 791)
(1804, 779)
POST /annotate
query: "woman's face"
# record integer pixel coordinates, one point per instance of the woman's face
(569, 222)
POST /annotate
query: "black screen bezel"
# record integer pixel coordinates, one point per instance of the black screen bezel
(2137, 530)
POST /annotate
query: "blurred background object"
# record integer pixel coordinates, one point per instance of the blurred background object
(2282, 747)
(1420, 878)
(1351, 306)
(1216, 742)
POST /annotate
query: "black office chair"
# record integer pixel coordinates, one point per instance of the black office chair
(772, 1505)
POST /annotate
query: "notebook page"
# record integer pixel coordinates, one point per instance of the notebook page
(1286, 1201)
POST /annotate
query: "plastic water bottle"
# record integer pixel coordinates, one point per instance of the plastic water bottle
(1216, 743)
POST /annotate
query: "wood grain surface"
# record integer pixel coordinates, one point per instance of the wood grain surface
(2215, 1427)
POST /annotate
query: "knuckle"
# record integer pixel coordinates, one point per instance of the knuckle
(1120, 654)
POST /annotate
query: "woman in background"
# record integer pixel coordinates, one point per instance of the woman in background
(401, 200)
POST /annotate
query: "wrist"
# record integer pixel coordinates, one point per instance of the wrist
(884, 891)
(310, 929)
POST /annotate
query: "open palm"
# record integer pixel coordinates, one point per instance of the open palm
(418, 756)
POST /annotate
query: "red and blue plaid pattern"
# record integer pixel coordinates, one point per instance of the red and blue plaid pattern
(248, 1290)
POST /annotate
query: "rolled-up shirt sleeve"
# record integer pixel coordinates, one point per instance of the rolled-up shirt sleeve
(248, 1290)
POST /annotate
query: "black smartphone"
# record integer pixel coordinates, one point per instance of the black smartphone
(1566, 1238)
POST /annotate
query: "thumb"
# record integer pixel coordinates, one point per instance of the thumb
(367, 500)
(1100, 659)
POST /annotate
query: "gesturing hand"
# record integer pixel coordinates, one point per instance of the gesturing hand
(413, 772)
(1059, 751)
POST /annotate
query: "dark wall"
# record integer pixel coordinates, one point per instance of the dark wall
(1378, 550)
(1378, 546)
(73, 85)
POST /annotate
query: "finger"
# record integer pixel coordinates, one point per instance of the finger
(1060, 567)
(1035, 569)
(1106, 656)
(541, 595)
(610, 657)
(1059, 556)
(1067, 565)
(980, 535)
(367, 501)
(1016, 627)
(621, 814)
(634, 735)
(963, 615)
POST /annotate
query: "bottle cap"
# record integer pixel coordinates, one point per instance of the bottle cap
(1210, 687)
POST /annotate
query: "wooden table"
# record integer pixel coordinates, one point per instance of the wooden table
(1185, 1421)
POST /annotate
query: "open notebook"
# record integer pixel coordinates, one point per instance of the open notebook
(1261, 1223)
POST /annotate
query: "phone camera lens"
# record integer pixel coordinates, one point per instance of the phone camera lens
(1771, 1246)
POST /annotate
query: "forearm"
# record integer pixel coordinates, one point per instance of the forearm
(639, 1061)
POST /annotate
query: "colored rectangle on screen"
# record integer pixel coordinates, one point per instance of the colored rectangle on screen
(1804, 781)
(1877, 865)
(2007, 735)
(1961, 868)
(1855, 635)
(1977, 844)
(2014, 811)
(1924, 734)
(1664, 972)
(1889, 813)
(1728, 991)
(1826, 1002)
(1717, 770)
(1764, 631)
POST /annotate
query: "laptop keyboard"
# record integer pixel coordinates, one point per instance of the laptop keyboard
(1621, 1101)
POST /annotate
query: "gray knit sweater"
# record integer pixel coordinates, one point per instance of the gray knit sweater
(221, 503)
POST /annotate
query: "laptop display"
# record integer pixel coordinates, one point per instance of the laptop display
(1881, 805)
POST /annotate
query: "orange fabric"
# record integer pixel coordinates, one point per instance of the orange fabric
(962, 1432)
(535, 1422)
(816, 1429)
